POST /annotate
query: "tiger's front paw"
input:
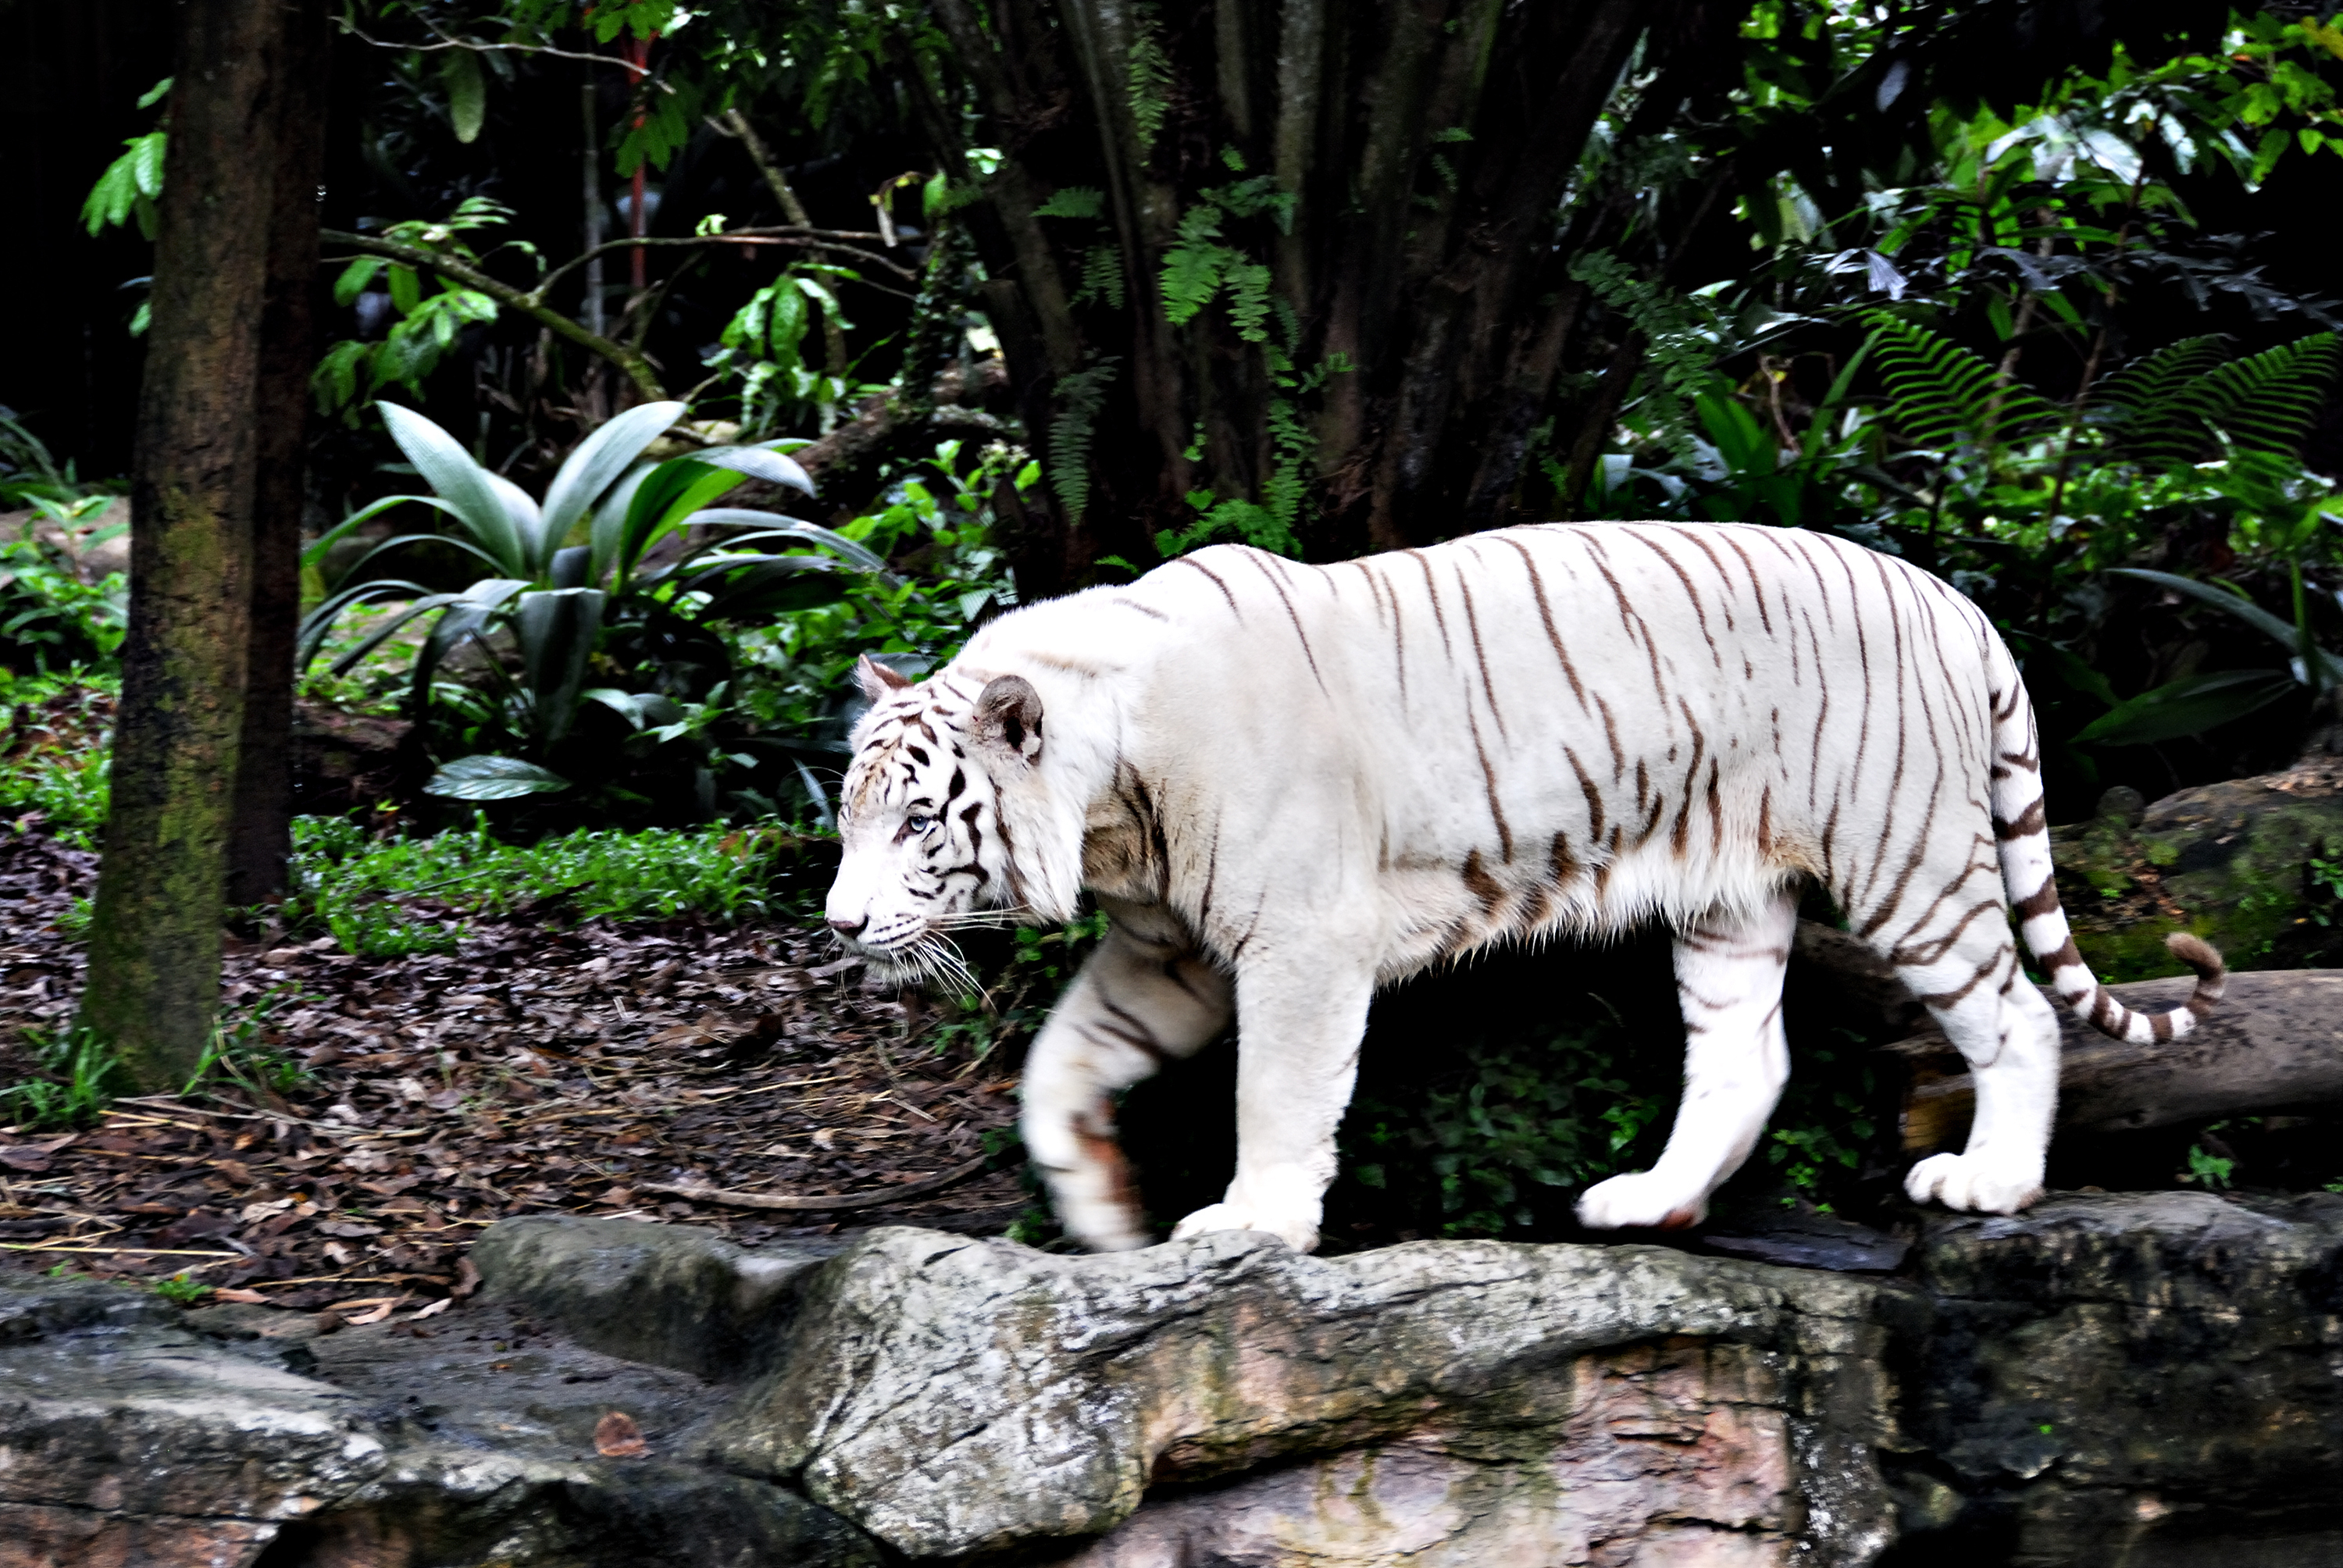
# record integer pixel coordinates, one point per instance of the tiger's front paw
(1976, 1183)
(1642, 1200)
(1104, 1226)
(1295, 1231)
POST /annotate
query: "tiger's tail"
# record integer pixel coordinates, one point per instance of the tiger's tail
(2023, 839)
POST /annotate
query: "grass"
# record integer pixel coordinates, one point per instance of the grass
(83, 1078)
(54, 759)
(351, 885)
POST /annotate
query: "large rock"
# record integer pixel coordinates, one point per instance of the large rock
(670, 1295)
(2230, 863)
(2136, 1380)
(134, 1436)
(956, 1396)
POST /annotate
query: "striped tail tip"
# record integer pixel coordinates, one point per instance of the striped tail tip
(2212, 973)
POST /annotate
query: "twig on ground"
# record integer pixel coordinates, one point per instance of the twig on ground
(942, 1179)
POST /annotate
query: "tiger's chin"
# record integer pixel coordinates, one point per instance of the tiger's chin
(929, 959)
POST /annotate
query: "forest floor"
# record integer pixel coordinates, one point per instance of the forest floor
(391, 1108)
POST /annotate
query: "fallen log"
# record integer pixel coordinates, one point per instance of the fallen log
(2274, 1043)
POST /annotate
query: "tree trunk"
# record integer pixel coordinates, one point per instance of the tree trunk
(2274, 1043)
(1289, 273)
(154, 937)
(261, 839)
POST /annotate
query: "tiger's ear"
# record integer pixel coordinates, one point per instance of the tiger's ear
(878, 682)
(1008, 716)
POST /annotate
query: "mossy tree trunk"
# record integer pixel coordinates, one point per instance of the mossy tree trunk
(155, 938)
(262, 838)
(1314, 260)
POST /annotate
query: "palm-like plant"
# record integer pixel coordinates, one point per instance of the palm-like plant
(557, 573)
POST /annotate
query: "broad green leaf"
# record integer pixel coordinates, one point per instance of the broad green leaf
(354, 278)
(2282, 632)
(774, 525)
(598, 460)
(557, 630)
(492, 778)
(320, 620)
(467, 93)
(760, 462)
(467, 487)
(2188, 707)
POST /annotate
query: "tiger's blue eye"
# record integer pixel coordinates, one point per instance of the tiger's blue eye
(918, 824)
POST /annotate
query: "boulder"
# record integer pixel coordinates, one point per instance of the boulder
(673, 1295)
(2138, 1379)
(132, 1434)
(2231, 862)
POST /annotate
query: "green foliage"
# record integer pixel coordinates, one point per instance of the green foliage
(132, 181)
(352, 372)
(1080, 398)
(1148, 80)
(51, 617)
(83, 1078)
(2207, 1169)
(637, 601)
(236, 1055)
(1946, 397)
(1017, 997)
(1515, 1114)
(56, 762)
(761, 355)
(181, 1291)
(351, 885)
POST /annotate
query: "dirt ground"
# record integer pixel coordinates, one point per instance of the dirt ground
(542, 1068)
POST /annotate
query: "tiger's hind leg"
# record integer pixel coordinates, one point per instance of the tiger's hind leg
(2008, 1034)
(1729, 971)
(1142, 999)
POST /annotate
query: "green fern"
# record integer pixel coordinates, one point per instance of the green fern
(2264, 402)
(2146, 407)
(1149, 83)
(2173, 406)
(1194, 265)
(1073, 201)
(1101, 277)
(1080, 397)
(1941, 395)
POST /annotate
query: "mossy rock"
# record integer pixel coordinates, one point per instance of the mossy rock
(2238, 863)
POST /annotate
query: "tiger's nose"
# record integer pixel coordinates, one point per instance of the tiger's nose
(847, 928)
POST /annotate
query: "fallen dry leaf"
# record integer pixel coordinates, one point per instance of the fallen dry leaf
(435, 1309)
(376, 1316)
(230, 1293)
(615, 1436)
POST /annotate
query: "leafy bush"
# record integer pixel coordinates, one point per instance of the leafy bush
(350, 885)
(83, 1078)
(638, 601)
(1511, 1114)
(51, 618)
(55, 760)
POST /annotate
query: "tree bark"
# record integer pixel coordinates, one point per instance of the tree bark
(261, 839)
(1410, 312)
(2275, 1042)
(155, 936)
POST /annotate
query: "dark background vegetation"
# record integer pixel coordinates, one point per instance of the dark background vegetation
(1321, 279)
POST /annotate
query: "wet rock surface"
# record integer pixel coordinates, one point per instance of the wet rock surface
(2121, 1379)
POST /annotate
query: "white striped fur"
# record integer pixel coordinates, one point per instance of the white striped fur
(1288, 784)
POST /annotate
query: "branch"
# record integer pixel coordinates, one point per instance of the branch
(808, 239)
(822, 1203)
(531, 304)
(735, 123)
(355, 31)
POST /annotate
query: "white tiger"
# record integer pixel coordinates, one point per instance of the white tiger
(1287, 784)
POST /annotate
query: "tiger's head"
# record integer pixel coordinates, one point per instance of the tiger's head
(926, 813)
